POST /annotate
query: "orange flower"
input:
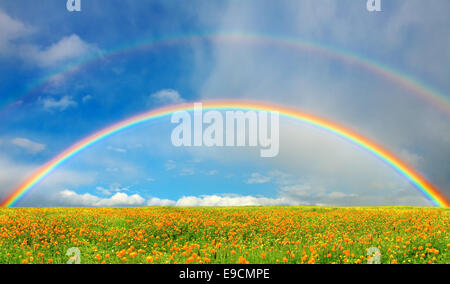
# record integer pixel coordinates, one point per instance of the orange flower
(242, 260)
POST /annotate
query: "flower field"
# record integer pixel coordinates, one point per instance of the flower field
(225, 235)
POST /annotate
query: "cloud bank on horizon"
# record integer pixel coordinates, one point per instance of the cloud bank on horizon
(140, 167)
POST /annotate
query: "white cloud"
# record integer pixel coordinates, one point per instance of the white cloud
(103, 190)
(28, 145)
(115, 149)
(112, 188)
(67, 48)
(69, 197)
(167, 96)
(118, 199)
(62, 104)
(160, 202)
(170, 165)
(234, 200)
(258, 178)
(187, 172)
(86, 98)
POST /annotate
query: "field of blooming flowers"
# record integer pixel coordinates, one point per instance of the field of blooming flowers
(225, 235)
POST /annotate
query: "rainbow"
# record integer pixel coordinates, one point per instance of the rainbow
(415, 87)
(425, 187)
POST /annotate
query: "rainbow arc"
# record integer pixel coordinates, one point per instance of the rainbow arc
(431, 192)
(414, 86)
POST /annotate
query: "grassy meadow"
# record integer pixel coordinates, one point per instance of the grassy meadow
(254, 235)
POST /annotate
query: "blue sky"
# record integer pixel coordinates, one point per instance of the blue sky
(141, 167)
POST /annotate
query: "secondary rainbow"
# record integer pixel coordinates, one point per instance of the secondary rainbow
(425, 187)
(432, 96)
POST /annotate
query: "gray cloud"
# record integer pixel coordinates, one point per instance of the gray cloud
(10, 30)
(412, 38)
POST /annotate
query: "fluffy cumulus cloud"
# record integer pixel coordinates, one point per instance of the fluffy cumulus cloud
(28, 145)
(233, 200)
(119, 199)
(15, 41)
(68, 197)
(67, 48)
(160, 202)
(167, 96)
